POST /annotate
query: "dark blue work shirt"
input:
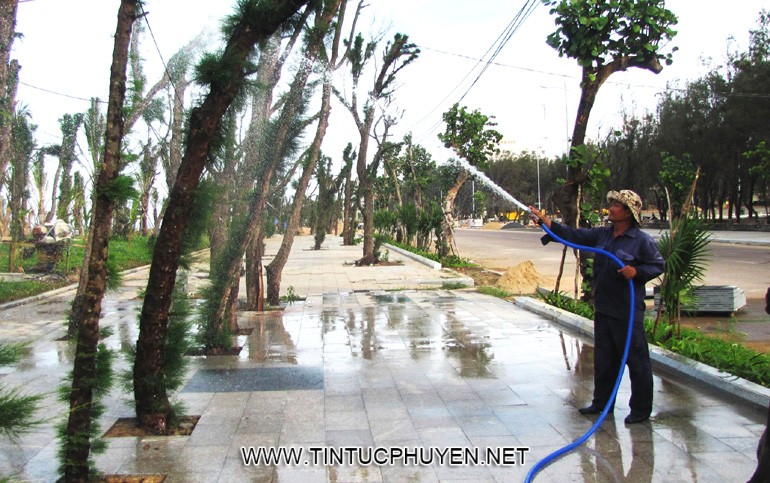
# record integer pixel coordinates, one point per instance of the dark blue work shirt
(633, 247)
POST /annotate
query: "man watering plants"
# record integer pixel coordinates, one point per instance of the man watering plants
(643, 262)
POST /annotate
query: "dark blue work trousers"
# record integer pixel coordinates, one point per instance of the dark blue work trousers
(609, 341)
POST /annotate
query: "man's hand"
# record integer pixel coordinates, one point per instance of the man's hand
(538, 217)
(628, 272)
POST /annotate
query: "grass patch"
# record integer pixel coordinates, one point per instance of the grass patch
(10, 291)
(124, 254)
(453, 285)
(494, 291)
(452, 261)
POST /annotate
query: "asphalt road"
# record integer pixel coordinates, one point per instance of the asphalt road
(746, 266)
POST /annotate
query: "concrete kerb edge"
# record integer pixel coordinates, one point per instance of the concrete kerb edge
(418, 258)
(662, 359)
(456, 277)
(58, 291)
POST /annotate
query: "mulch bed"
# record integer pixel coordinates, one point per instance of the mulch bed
(125, 427)
(200, 351)
(132, 478)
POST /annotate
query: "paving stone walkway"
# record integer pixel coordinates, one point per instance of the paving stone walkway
(380, 374)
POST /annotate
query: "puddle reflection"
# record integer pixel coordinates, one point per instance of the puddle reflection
(392, 322)
(270, 341)
(605, 462)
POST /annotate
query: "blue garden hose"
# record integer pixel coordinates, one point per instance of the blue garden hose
(556, 454)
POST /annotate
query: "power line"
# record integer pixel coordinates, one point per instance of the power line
(524, 12)
(518, 20)
(59, 93)
(157, 48)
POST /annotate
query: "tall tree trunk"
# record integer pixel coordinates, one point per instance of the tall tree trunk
(367, 215)
(152, 405)
(7, 101)
(448, 221)
(255, 289)
(78, 445)
(275, 267)
(268, 71)
(273, 157)
(348, 212)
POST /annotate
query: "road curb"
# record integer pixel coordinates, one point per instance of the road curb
(418, 258)
(662, 359)
(58, 291)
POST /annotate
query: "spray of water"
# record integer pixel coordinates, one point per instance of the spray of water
(491, 184)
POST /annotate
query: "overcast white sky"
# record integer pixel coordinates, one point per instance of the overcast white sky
(532, 93)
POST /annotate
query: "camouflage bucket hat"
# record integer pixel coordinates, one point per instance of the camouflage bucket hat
(629, 199)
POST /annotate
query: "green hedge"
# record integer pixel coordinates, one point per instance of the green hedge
(730, 357)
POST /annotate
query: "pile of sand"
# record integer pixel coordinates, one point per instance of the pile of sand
(522, 279)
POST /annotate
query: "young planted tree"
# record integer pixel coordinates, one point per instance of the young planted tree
(397, 54)
(225, 75)
(273, 56)
(324, 208)
(79, 202)
(348, 203)
(604, 37)
(20, 153)
(76, 445)
(9, 71)
(333, 13)
(685, 249)
(218, 317)
(468, 135)
(94, 127)
(145, 178)
(40, 182)
(69, 124)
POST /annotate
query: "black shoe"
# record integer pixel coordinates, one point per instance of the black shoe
(593, 409)
(635, 418)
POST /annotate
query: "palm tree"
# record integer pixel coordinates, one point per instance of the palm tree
(685, 249)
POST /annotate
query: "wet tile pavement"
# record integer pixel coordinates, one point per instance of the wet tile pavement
(395, 376)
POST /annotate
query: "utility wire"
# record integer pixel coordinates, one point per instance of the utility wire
(59, 93)
(160, 55)
(521, 16)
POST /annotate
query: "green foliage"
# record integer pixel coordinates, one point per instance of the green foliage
(199, 221)
(17, 411)
(291, 296)
(100, 385)
(677, 175)
(408, 216)
(455, 261)
(480, 202)
(598, 32)
(685, 250)
(593, 188)
(494, 291)
(10, 291)
(453, 285)
(124, 254)
(726, 356)
(468, 135)
(119, 190)
(385, 221)
(563, 301)
(761, 154)
(176, 346)
(11, 353)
